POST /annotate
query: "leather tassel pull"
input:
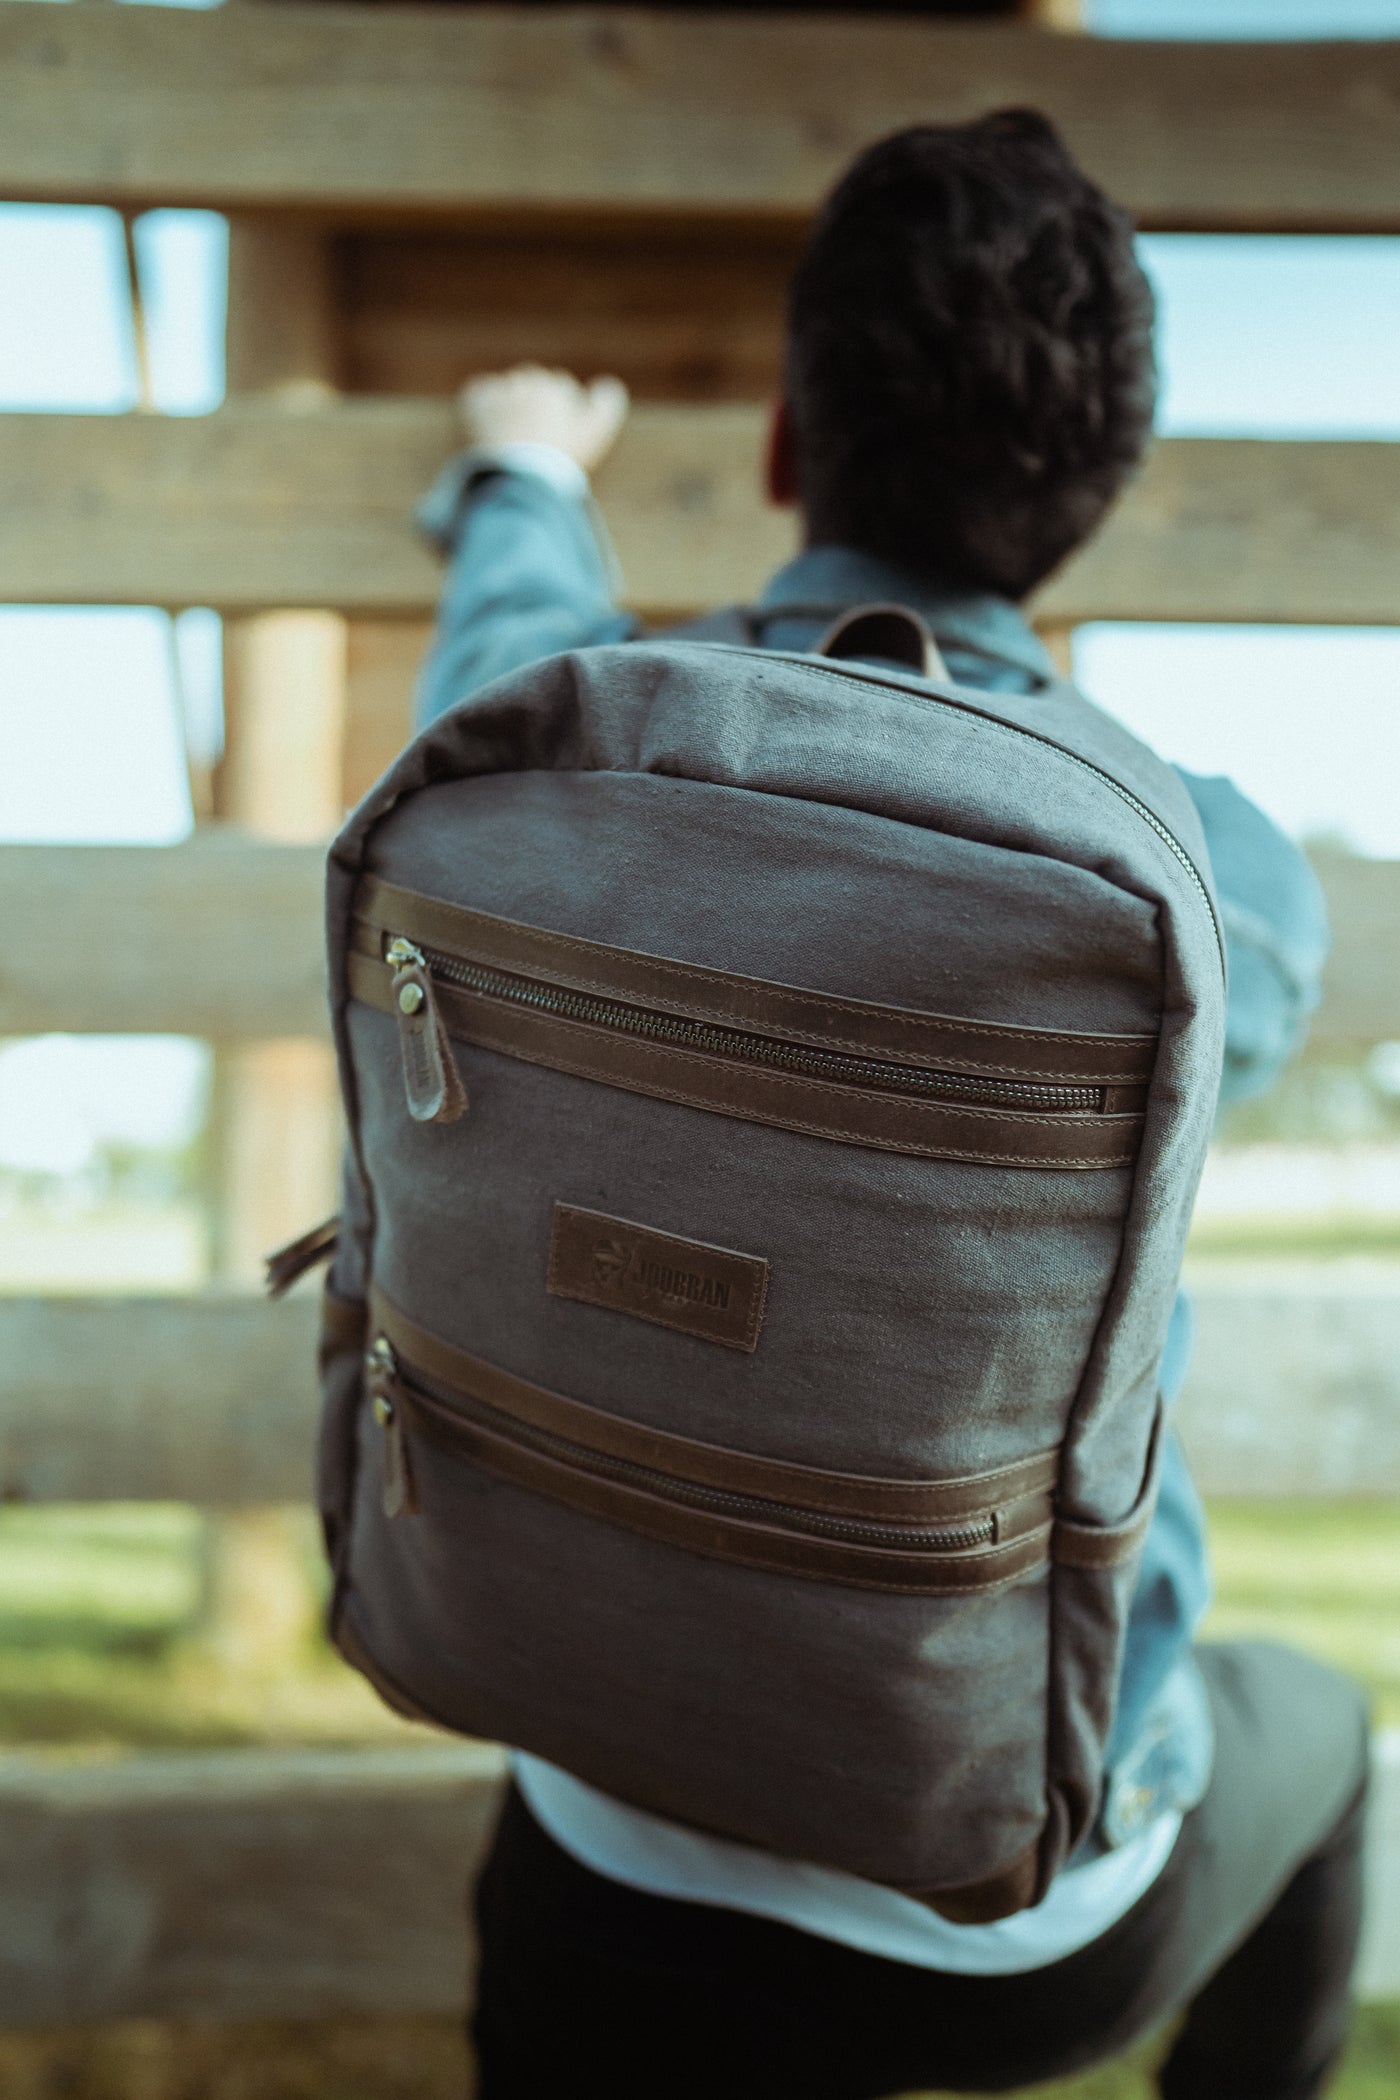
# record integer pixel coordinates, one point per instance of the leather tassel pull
(381, 1373)
(431, 1080)
(283, 1268)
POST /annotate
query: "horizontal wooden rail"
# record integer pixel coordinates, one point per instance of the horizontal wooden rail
(1295, 1390)
(222, 937)
(245, 1885)
(589, 111)
(261, 505)
(303, 1885)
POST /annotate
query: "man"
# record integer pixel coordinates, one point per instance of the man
(968, 384)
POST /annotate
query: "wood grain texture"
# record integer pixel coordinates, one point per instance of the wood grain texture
(243, 1885)
(219, 937)
(1294, 1390)
(266, 504)
(1294, 1387)
(429, 113)
(196, 1399)
(308, 1885)
(222, 936)
(684, 313)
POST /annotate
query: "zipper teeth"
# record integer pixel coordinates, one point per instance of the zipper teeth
(841, 1066)
(1086, 765)
(978, 1531)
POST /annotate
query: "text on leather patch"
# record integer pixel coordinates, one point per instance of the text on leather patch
(707, 1291)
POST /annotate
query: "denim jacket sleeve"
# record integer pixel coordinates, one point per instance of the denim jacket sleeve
(1275, 935)
(1276, 942)
(529, 572)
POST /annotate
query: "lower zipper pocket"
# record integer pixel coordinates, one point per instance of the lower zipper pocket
(923, 1536)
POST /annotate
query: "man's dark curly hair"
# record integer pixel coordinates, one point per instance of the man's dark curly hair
(970, 378)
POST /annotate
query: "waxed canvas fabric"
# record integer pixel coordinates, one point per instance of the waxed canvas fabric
(870, 836)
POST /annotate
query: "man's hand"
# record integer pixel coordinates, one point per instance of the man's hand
(529, 405)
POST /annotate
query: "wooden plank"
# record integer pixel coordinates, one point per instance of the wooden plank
(429, 113)
(199, 1399)
(1295, 1382)
(222, 936)
(305, 1885)
(218, 937)
(1295, 1390)
(1361, 985)
(268, 505)
(697, 316)
(263, 1885)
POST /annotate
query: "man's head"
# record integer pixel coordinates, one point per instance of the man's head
(969, 368)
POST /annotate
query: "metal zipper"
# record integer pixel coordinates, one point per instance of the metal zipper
(1086, 765)
(1031, 1096)
(389, 1386)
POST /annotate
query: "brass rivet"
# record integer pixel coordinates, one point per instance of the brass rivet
(410, 998)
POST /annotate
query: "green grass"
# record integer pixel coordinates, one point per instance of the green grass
(105, 1643)
(427, 2060)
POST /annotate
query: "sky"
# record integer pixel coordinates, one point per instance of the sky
(1271, 337)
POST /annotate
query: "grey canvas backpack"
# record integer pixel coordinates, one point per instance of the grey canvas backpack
(776, 1091)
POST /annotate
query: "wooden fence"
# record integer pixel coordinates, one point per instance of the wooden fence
(416, 194)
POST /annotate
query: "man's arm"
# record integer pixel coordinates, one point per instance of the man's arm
(1276, 935)
(528, 570)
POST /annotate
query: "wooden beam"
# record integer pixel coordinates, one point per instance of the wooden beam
(222, 936)
(238, 1885)
(1295, 1390)
(218, 937)
(694, 316)
(1361, 984)
(188, 1399)
(311, 1885)
(1295, 1384)
(265, 504)
(428, 113)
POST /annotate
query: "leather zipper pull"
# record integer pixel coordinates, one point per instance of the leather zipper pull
(288, 1263)
(431, 1080)
(398, 1494)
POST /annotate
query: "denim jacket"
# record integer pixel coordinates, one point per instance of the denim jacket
(530, 572)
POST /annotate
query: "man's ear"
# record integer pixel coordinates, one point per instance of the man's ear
(780, 478)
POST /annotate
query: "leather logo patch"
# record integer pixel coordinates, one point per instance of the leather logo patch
(695, 1288)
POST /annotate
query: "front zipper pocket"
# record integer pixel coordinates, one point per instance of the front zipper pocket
(861, 1073)
(926, 1536)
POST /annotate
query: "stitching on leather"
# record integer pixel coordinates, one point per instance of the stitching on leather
(833, 1128)
(702, 1334)
(913, 1148)
(1020, 1480)
(818, 1002)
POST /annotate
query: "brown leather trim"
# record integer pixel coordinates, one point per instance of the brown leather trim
(715, 1293)
(343, 1323)
(1099, 1546)
(999, 1895)
(1008, 1488)
(723, 1086)
(941, 1041)
(718, 1535)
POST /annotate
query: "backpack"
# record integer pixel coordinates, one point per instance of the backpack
(776, 1089)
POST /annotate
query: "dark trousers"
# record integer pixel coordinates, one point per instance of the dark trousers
(1251, 1929)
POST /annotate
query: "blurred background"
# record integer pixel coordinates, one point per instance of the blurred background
(1252, 591)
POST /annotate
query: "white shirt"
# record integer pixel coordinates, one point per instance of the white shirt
(664, 1859)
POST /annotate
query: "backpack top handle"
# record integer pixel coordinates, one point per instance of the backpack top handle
(892, 631)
